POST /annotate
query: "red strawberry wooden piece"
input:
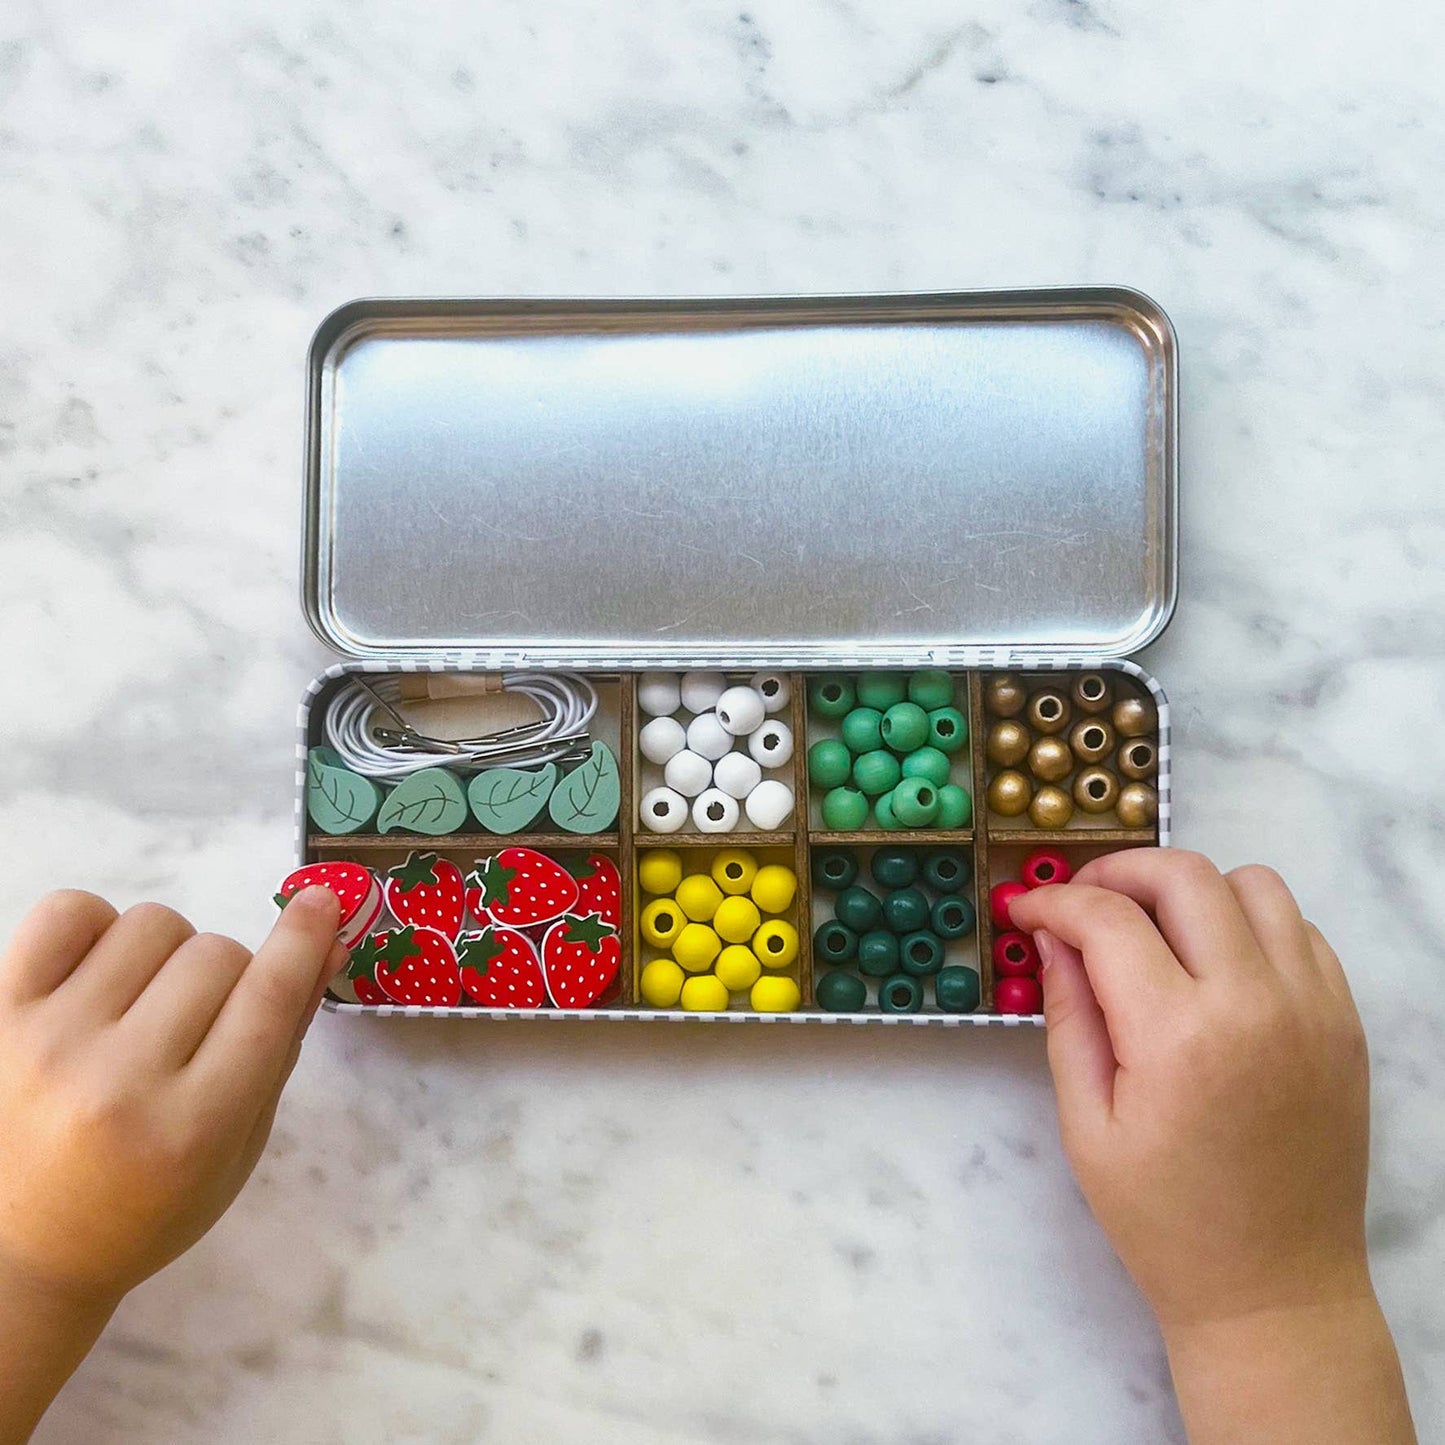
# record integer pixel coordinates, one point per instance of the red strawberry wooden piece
(361, 972)
(427, 892)
(599, 890)
(520, 887)
(355, 886)
(580, 958)
(500, 969)
(418, 966)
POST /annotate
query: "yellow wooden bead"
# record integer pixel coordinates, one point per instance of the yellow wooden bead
(738, 967)
(698, 897)
(774, 888)
(775, 995)
(733, 870)
(776, 943)
(704, 994)
(696, 947)
(659, 871)
(661, 922)
(661, 983)
(736, 920)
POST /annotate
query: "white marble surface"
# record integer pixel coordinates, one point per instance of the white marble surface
(538, 1235)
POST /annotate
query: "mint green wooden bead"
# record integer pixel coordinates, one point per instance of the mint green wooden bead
(829, 763)
(957, 990)
(863, 729)
(928, 763)
(905, 727)
(882, 689)
(830, 696)
(930, 687)
(947, 729)
(955, 807)
(884, 815)
(915, 803)
(876, 773)
(845, 810)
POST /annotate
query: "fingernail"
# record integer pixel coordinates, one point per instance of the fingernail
(1046, 945)
(316, 900)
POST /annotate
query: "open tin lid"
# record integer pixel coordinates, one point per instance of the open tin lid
(790, 479)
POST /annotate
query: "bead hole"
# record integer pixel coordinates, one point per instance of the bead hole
(1094, 738)
(945, 727)
(664, 921)
(734, 870)
(1049, 708)
(832, 692)
(921, 952)
(899, 995)
(1139, 756)
(1044, 871)
(770, 742)
(770, 687)
(1092, 688)
(660, 809)
(775, 944)
(1097, 788)
(925, 796)
(716, 812)
(836, 943)
(953, 917)
(1015, 953)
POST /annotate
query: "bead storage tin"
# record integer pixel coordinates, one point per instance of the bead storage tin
(974, 484)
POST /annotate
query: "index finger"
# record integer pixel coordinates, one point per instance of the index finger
(246, 1050)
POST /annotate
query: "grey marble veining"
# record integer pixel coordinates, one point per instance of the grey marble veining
(776, 1237)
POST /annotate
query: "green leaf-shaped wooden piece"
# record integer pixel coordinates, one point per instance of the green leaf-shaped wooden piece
(587, 798)
(505, 800)
(431, 801)
(338, 800)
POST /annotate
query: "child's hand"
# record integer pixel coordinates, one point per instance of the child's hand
(1214, 1103)
(140, 1068)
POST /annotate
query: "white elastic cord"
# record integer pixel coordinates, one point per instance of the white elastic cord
(567, 704)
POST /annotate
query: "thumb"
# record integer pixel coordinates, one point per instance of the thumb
(1081, 1056)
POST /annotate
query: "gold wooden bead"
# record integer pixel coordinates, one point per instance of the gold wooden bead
(1138, 806)
(1092, 693)
(1010, 793)
(1139, 759)
(1005, 696)
(1051, 808)
(1096, 790)
(1050, 760)
(1048, 711)
(1134, 717)
(1092, 740)
(1008, 743)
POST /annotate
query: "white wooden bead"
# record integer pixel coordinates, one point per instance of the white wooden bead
(769, 805)
(661, 739)
(701, 690)
(737, 775)
(663, 811)
(706, 735)
(740, 710)
(687, 773)
(715, 812)
(774, 689)
(772, 744)
(659, 694)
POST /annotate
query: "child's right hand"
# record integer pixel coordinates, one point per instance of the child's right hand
(1214, 1103)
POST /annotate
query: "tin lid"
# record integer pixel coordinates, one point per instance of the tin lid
(896, 478)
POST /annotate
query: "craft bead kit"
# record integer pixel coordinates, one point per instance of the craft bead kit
(658, 704)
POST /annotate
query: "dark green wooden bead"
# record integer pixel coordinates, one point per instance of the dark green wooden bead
(831, 695)
(894, 867)
(876, 772)
(900, 995)
(833, 943)
(957, 990)
(845, 810)
(952, 916)
(915, 802)
(947, 869)
(905, 727)
(858, 909)
(842, 993)
(862, 729)
(829, 763)
(834, 868)
(882, 689)
(920, 954)
(931, 687)
(905, 910)
(947, 729)
(878, 953)
(883, 812)
(928, 762)
(955, 807)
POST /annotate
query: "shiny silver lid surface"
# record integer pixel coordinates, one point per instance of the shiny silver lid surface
(792, 477)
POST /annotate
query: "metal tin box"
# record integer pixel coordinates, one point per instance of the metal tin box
(965, 481)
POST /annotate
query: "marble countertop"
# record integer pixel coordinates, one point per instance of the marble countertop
(778, 1237)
